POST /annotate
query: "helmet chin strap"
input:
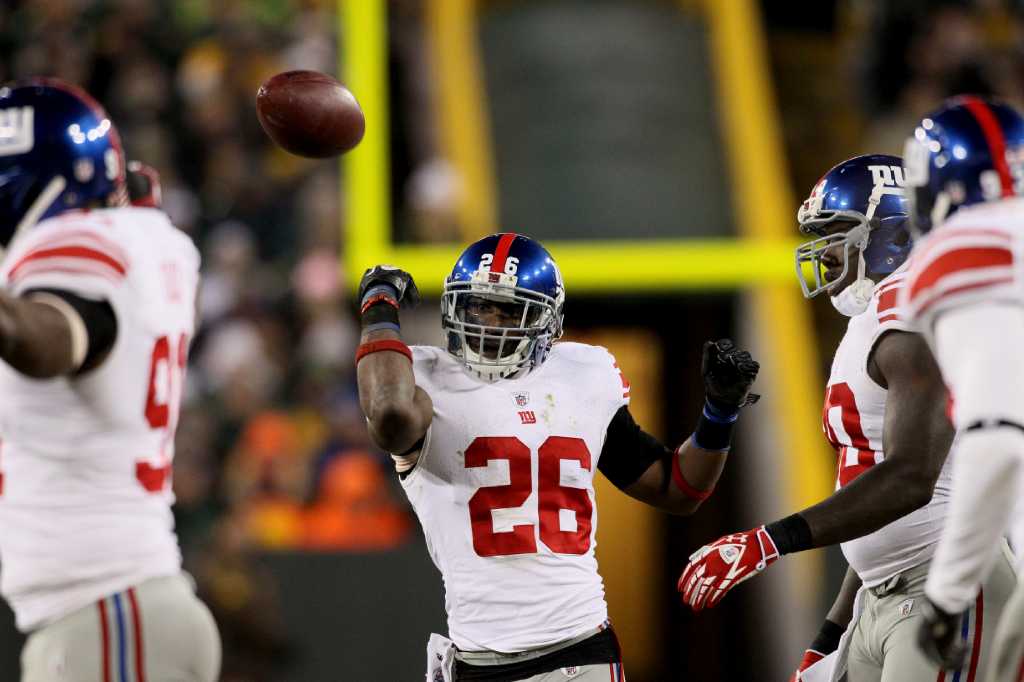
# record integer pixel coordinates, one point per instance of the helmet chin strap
(39, 206)
(855, 299)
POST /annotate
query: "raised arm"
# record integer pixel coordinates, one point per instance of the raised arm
(678, 481)
(397, 411)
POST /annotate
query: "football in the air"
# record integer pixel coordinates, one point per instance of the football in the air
(310, 114)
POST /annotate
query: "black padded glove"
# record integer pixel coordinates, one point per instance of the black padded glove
(728, 375)
(939, 636)
(400, 281)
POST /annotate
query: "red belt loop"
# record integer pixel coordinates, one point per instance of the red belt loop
(378, 346)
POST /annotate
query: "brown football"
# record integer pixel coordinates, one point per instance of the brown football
(310, 114)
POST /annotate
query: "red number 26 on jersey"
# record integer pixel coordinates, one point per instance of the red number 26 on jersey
(552, 496)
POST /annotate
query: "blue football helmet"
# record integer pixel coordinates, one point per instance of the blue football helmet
(58, 151)
(502, 306)
(969, 151)
(866, 192)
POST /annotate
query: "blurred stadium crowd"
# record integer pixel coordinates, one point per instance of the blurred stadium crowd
(272, 448)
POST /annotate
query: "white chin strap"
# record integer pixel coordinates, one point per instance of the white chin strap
(39, 206)
(855, 299)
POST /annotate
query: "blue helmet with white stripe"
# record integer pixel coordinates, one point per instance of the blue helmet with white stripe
(968, 152)
(866, 194)
(502, 305)
(58, 151)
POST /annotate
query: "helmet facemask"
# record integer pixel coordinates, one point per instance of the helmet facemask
(814, 221)
(496, 328)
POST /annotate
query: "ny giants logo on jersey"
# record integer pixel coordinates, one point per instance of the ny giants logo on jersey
(17, 130)
(887, 176)
(528, 417)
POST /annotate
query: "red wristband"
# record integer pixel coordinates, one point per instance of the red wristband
(378, 346)
(684, 487)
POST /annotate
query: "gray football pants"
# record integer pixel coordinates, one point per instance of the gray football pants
(157, 631)
(1008, 649)
(884, 646)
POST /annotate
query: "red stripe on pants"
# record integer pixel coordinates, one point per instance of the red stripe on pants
(140, 662)
(105, 632)
(979, 618)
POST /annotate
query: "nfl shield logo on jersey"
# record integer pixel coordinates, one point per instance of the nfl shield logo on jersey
(571, 671)
(522, 398)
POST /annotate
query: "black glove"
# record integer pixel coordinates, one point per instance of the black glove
(399, 280)
(728, 375)
(939, 636)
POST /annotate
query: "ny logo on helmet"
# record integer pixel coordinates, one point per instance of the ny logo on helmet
(887, 176)
(17, 130)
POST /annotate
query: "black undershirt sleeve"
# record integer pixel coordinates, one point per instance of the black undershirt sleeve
(100, 323)
(628, 450)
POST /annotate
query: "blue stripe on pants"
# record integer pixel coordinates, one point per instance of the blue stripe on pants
(122, 651)
(963, 635)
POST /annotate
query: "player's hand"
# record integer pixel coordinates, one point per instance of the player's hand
(810, 658)
(728, 374)
(717, 568)
(400, 281)
(939, 636)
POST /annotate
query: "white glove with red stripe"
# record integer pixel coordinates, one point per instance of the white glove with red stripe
(717, 568)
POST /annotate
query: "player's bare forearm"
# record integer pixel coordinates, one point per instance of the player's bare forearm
(700, 469)
(394, 406)
(916, 439)
(398, 411)
(842, 608)
(35, 338)
(678, 481)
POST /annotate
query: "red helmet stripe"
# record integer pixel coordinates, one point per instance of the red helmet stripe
(501, 251)
(994, 137)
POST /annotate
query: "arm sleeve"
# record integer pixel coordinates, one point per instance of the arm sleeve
(98, 320)
(628, 450)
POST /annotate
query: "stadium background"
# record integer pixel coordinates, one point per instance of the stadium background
(658, 148)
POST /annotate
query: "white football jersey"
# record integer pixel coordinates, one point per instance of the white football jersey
(504, 489)
(976, 255)
(853, 420)
(85, 460)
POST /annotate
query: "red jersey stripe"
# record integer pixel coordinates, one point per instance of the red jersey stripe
(501, 251)
(994, 137)
(48, 268)
(78, 252)
(958, 290)
(70, 235)
(888, 299)
(944, 236)
(891, 317)
(957, 260)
